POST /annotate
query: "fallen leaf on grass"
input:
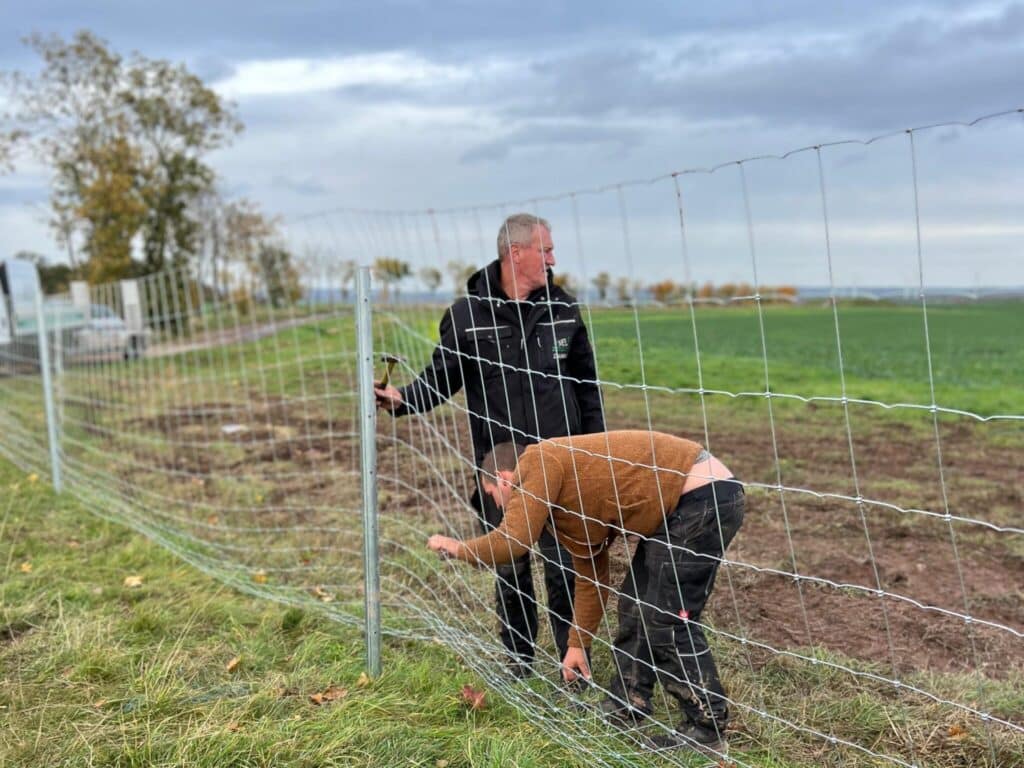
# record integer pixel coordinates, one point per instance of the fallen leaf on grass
(74, 544)
(99, 703)
(322, 594)
(33, 478)
(331, 694)
(364, 680)
(232, 665)
(441, 764)
(957, 732)
(132, 582)
(234, 727)
(212, 520)
(476, 699)
(26, 567)
(260, 577)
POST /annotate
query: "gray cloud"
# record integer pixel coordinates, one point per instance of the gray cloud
(573, 135)
(888, 74)
(565, 95)
(22, 195)
(211, 68)
(265, 28)
(877, 78)
(306, 187)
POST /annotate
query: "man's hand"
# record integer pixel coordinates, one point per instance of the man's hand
(445, 546)
(388, 397)
(575, 665)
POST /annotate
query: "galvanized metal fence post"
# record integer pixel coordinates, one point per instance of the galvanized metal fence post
(368, 441)
(48, 399)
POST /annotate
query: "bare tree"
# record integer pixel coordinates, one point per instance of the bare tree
(602, 281)
(346, 274)
(431, 277)
(624, 290)
(391, 272)
(459, 272)
(566, 281)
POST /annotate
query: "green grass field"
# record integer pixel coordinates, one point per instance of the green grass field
(977, 352)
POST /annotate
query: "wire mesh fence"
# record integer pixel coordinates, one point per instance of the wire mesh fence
(867, 612)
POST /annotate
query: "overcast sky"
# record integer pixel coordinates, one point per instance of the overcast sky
(408, 105)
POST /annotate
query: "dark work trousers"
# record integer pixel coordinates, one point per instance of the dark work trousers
(514, 593)
(661, 602)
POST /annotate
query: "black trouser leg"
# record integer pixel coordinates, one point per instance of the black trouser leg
(516, 605)
(514, 596)
(674, 577)
(633, 677)
(685, 664)
(560, 585)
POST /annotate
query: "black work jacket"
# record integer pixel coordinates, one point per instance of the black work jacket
(527, 367)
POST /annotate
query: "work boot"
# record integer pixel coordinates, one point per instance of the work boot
(707, 740)
(625, 713)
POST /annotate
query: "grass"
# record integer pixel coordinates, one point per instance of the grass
(98, 673)
(976, 355)
(182, 670)
(976, 352)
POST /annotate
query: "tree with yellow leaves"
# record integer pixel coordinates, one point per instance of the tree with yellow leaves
(126, 139)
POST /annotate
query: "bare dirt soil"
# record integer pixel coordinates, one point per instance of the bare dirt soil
(930, 571)
(926, 567)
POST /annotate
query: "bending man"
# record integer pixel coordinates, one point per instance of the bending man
(686, 507)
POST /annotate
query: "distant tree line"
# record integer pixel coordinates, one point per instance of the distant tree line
(392, 272)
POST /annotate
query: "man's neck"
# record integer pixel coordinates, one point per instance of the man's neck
(508, 284)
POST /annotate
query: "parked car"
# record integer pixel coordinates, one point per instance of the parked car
(106, 335)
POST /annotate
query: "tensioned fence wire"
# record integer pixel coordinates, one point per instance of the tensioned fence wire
(865, 613)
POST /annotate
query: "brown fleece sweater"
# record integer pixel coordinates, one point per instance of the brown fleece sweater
(588, 489)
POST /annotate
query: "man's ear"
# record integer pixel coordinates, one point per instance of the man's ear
(507, 475)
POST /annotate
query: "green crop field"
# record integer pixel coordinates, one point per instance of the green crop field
(977, 351)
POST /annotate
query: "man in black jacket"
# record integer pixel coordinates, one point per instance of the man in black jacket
(518, 345)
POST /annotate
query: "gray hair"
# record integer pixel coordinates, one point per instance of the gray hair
(518, 229)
